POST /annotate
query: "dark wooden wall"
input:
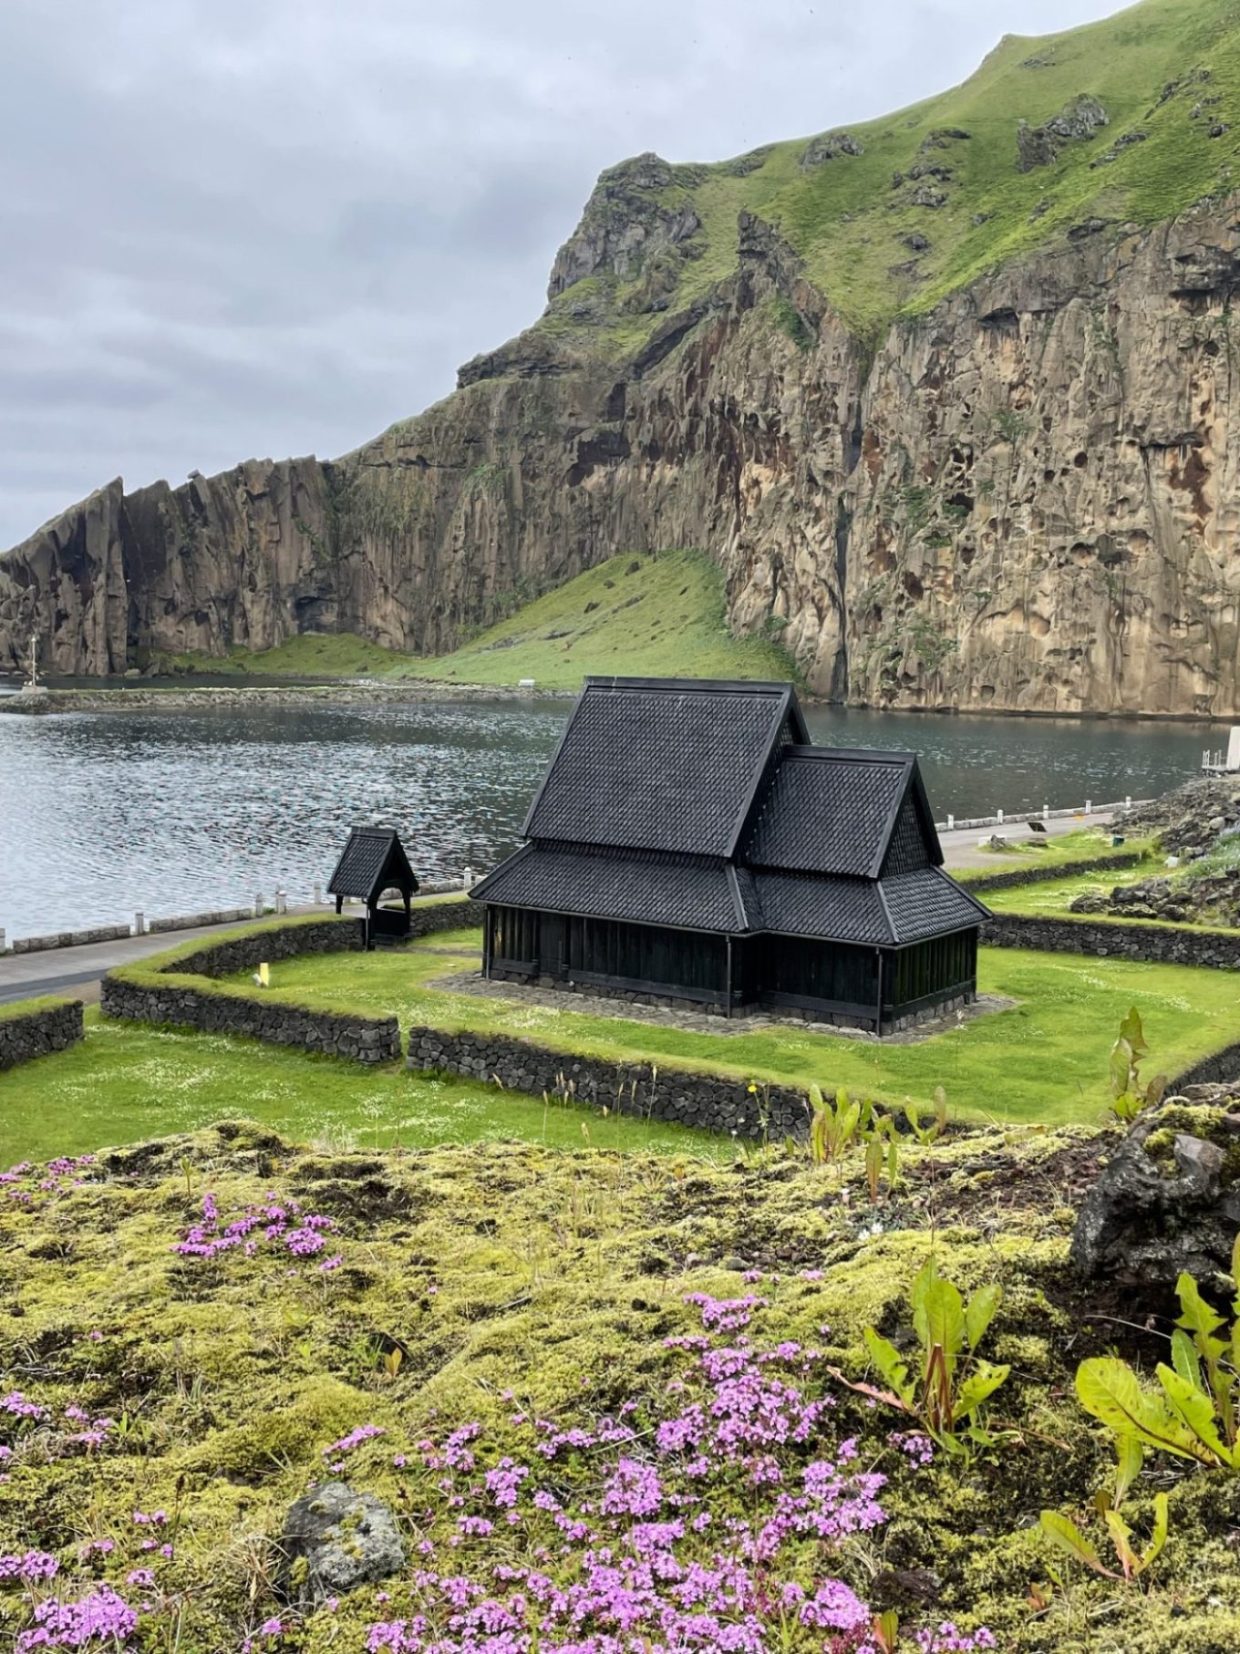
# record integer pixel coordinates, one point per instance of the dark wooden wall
(775, 970)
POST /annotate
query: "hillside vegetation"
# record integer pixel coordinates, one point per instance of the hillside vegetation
(944, 173)
(649, 616)
(630, 617)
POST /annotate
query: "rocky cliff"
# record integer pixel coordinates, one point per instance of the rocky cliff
(950, 399)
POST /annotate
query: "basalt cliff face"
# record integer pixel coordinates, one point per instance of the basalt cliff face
(1023, 496)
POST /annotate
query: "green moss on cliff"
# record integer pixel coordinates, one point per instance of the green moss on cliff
(881, 234)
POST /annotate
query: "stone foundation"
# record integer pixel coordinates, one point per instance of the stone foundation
(38, 1033)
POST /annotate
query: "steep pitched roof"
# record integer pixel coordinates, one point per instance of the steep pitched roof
(701, 806)
(663, 764)
(373, 859)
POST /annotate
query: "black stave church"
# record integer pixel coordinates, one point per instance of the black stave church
(688, 842)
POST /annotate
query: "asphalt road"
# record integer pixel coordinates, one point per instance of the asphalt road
(28, 975)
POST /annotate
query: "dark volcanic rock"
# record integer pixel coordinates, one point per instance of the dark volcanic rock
(1169, 1200)
(829, 147)
(1037, 146)
(335, 1540)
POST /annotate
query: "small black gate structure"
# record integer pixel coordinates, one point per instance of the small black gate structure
(373, 861)
(689, 842)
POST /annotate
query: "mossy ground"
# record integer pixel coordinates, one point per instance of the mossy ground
(518, 1280)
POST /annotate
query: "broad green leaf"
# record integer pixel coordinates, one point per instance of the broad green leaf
(1131, 1030)
(1195, 1409)
(1131, 1458)
(1108, 1389)
(1121, 1067)
(940, 1108)
(1121, 1538)
(981, 1312)
(815, 1097)
(1159, 1537)
(978, 1387)
(938, 1314)
(890, 1364)
(1156, 1090)
(1196, 1316)
(1063, 1531)
(1184, 1358)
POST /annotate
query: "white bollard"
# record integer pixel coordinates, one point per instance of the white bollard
(4, 947)
(258, 904)
(318, 895)
(1088, 806)
(1128, 802)
(281, 901)
(1046, 812)
(951, 822)
(139, 923)
(467, 880)
(999, 817)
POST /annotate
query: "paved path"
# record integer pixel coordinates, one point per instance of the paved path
(58, 970)
(26, 975)
(961, 847)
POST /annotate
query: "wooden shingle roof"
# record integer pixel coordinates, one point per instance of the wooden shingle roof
(702, 806)
(669, 764)
(373, 859)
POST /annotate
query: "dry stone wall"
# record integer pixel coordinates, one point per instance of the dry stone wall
(1041, 875)
(708, 1101)
(177, 1002)
(39, 1033)
(1154, 944)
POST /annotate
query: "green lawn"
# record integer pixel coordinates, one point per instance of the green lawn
(1044, 1060)
(1064, 850)
(1054, 896)
(125, 1083)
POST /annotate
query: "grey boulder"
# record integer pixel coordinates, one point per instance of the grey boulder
(335, 1540)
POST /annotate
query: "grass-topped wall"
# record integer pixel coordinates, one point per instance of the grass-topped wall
(184, 988)
(36, 1027)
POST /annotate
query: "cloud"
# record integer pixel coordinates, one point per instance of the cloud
(239, 227)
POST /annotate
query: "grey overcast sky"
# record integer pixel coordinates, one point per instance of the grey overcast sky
(269, 227)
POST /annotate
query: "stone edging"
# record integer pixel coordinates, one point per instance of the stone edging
(33, 1034)
(1042, 875)
(131, 994)
(711, 1102)
(1127, 939)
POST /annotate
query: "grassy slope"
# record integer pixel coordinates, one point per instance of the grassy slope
(849, 223)
(523, 1284)
(641, 617)
(1042, 1061)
